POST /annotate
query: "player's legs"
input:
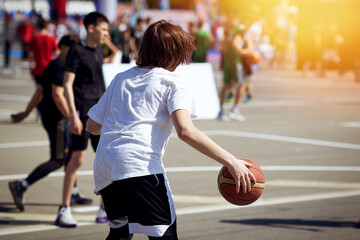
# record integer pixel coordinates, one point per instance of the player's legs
(101, 216)
(170, 234)
(76, 160)
(225, 88)
(239, 93)
(59, 143)
(115, 202)
(235, 112)
(59, 150)
(78, 152)
(140, 205)
(119, 234)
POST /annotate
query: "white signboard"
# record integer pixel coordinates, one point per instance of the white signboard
(200, 77)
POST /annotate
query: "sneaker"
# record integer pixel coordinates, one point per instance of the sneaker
(248, 100)
(101, 216)
(76, 199)
(236, 116)
(64, 218)
(17, 191)
(223, 117)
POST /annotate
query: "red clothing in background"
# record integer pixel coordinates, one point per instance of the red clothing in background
(26, 32)
(43, 48)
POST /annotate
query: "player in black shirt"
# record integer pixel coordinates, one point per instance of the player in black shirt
(83, 85)
(49, 96)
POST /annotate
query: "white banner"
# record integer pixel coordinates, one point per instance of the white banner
(200, 77)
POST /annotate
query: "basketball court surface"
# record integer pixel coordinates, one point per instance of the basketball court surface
(303, 131)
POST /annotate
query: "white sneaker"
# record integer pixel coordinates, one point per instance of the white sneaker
(65, 219)
(101, 216)
(223, 117)
(236, 116)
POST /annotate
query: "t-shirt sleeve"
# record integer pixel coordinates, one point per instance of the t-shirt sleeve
(57, 77)
(180, 97)
(72, 60)
(53, 74)
(98, 111)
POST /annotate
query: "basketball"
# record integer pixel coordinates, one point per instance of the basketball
(255, 58)
(227, 186)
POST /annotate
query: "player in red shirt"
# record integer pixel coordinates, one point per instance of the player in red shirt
(42, 50)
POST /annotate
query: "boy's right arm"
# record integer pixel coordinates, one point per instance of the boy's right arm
(58, 96)
(187, 132)
(76, 126)
(93, 127)
(35, 99)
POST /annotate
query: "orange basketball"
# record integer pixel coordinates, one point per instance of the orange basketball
(255, 58)
(227, 186)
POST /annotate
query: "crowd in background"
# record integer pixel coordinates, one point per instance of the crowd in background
(19, 29)
(276, 36)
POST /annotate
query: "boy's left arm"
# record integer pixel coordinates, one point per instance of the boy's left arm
(113, 49)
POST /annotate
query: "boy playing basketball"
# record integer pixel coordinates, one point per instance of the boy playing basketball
(135, 117)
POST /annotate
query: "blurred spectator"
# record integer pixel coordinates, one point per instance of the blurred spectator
(127, 47)
(115, 33)
(42, 49)
(255, 32)
(61, 29)
(25, 31)
(204, 40)
(192, 30)
(137, 33)
(233, 73)
(217, 30)
(77, 26)
(10, 33)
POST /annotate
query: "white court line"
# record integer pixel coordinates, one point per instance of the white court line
(24, 144)
(207, 169)
(269, 202)
(206, 209)
(256, 103)
(15, 98)
(350, 124)
(20, 98)
(272, 183)
(39, 228)
(12, 83)
(223, 133)
(282, 138)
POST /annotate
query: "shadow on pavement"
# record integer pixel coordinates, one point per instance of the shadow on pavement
(10, 207)
(301, 224)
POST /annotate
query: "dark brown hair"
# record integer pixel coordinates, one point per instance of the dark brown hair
(165, 45)
(94, 18)
(69, 40)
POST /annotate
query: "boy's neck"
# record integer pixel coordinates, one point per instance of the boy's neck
(43, 31)
(89, 42)
(62, 57)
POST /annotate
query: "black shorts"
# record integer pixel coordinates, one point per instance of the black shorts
(143, 204)
(59, 137)
(79, 143)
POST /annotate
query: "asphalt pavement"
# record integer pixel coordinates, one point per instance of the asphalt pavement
(303, 130)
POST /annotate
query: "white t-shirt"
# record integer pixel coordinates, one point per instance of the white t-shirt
(135, 114)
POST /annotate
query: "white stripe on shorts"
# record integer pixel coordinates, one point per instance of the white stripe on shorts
(118, 223)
